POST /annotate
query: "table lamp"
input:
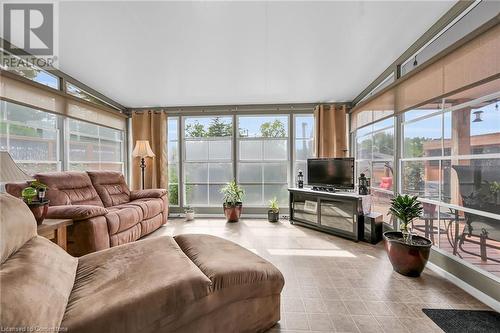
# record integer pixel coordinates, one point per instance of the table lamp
(142, 150)
(10, 171)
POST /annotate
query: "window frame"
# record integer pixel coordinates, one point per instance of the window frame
(183, 162)
(288, 160)
(251, 209)
(57, 131)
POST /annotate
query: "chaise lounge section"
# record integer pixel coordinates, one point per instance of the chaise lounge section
(104, 211)
(187, 283)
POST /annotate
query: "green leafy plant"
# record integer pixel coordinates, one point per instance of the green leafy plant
(188, 209)
(38, 185)
(405, 208)
(31, 191)
(273, 205)
(28, 194)
(495, 187)
(233, 193)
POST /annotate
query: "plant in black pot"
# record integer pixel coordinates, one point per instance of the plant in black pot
(273, 214)
(34, 197)
(233, 196)
(408, 253)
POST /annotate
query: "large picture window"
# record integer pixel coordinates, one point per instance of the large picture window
(263, 158)
(207, 158)
(375, 158)
(254, 149)
(31, 137)
(93, 147)
(451, 159)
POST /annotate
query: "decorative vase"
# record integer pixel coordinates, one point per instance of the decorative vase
(407, 259)
(39, 210)
(233, 212)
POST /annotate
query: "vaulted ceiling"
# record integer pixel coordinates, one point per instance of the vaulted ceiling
(208, 53)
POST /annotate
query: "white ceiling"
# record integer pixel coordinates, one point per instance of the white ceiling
(208, 53)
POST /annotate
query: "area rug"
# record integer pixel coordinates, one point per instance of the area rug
(465, 321)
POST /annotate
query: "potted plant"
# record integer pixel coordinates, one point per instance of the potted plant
(495, 192)
(189, 213)
(233, 195)
(40, 188)
(34, 197)
(273, 214)
(408, 253)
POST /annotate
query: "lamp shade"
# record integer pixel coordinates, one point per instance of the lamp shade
(142, 149)
(9, 171)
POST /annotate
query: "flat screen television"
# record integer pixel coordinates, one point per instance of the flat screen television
(331, 172)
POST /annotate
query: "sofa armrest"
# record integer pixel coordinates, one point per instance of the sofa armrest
(75, 212)
(150, 193)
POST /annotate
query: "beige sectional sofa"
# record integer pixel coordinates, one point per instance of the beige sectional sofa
(187, 283)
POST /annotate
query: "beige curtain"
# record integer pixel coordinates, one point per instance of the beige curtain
(151, 126)
(331, 139)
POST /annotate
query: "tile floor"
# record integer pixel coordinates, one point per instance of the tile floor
(333, 284)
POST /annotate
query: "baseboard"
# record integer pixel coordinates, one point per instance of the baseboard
(491, 302)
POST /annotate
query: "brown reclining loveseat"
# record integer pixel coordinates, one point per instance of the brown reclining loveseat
(105, 212)
(187, 283)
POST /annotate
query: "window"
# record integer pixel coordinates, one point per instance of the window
(31, 137)
(173, 160)
(263, 158)
(28, 71)
(80, 93)
(208, 158)
(94, 147)
(375, 158)
(451, 159)
(472, 18)
(304, 143)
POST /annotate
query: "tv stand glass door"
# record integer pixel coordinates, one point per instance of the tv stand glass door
(337, 213)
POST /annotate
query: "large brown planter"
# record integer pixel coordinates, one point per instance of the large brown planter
(233, 213)
(39, 210)
(406, 259)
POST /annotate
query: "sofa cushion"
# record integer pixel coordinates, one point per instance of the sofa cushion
(229, 265)
(150, 207)
(111, 187)
(17, 225)
(126, 236)
(16, 188)
(123, 217)
(148, 193)
(75, 212)
(69, 188)
(150, 225)
(36, 283)
(133, 288)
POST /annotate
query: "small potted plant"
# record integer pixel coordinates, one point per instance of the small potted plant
(495, 192)
(273, 214)
(34, 197)
(233, 196)
(408, 253)
(189, 211)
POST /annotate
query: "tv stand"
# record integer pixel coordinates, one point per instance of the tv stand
(339, 212)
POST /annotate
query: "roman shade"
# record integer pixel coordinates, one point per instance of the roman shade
(470, 65)
(24, 92)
